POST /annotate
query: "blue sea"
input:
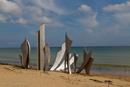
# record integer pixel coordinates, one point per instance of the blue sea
(112, 60)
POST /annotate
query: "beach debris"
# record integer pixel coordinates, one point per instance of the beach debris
(87, 63)
(107, 81)
(25, 47)
(62, 76)
(96, 80)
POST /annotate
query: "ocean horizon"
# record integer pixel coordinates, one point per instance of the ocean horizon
(113, 60)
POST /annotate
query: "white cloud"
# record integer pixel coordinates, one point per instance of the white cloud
(89, 21)
(36, 13)
(123, 17)
(46, 20)
(29, 10)
(85, 8)
(121, 12)
(33, 33)
(9, 7)
(20, 20)
(3, 18)
(118, 7)
(35, 19)
(56, 24)
(89, 30)
(49, 5)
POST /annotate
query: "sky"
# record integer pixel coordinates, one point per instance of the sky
(87, 22)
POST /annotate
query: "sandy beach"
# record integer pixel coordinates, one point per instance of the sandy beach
(15, 76)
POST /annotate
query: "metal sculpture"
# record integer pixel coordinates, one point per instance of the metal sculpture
(68, 46)
(89, 64)
(75, 61)
(61, 67)
(40, 48)
(25, 47)
(86, 60)
(20, 56)
(47, 58)
(59, 57)
(71, 62)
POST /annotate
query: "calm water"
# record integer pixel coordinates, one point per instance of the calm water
(107, 60)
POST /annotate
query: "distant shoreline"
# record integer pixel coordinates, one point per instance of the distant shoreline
(83, 72)
(72, 46)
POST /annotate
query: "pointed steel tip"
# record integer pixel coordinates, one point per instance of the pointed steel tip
(74, 52)
(84, 49)
(25, 39)
(42, 23)
(92, 49)
(66, 33)
(47, 44)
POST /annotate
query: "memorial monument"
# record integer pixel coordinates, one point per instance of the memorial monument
(25, 47)
(43, 52)
(86, 61)
(75, 61)
(59, 57)
(40, 48)
(68, 46)
(47, 57)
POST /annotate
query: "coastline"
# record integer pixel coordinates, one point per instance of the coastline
(14, 75)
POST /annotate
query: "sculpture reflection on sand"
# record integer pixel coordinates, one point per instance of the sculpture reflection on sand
(25, 47)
